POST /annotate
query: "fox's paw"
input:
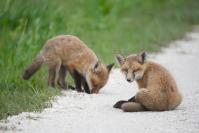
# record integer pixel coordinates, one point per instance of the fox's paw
(71, 87)
(119, 104)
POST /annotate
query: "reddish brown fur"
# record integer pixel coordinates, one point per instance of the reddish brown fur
(68, 53)
(157, 88)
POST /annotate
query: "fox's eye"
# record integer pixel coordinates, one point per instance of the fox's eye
(137, 69)
(125, 70)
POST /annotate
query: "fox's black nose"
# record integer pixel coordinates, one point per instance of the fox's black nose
(128, 80)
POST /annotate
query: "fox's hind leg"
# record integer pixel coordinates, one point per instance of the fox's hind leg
(148, 99)
(152, 100)
(61, 79)
(53, 72)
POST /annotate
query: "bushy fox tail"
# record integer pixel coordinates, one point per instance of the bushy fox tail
(36, 64)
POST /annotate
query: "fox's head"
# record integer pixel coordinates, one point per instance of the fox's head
(98, 76)
(133, 66)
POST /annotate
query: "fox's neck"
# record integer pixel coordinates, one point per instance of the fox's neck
(142, 83)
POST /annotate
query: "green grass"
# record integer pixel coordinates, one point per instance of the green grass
(108, 27)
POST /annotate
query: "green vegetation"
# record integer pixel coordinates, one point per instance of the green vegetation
(107, 26)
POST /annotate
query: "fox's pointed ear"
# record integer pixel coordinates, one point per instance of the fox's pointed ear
(97, 67)
(109, 67)
(120, 59)
(142, 57)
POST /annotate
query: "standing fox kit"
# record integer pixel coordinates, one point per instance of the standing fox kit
(157, 88)
(68, 53)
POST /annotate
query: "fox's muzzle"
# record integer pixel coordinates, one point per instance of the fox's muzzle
(130, 77)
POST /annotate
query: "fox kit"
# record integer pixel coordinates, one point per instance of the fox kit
(68, 53)
(157, 88)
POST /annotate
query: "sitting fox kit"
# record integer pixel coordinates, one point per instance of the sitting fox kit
(67, 53)
(157, 88)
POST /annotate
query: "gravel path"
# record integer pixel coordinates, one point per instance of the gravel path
(78, 112)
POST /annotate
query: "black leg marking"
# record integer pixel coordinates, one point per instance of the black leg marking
(132, 99)
(77, 78)
(79, 82)
(86, 87)
(71, 87)
(119, 104)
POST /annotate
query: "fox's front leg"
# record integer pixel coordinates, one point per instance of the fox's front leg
(119, 103)
(86, 87)
(78, 81)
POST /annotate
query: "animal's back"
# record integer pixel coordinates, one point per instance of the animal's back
(73, 53)
(162, 83)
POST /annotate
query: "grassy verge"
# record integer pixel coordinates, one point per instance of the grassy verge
(108, 27)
